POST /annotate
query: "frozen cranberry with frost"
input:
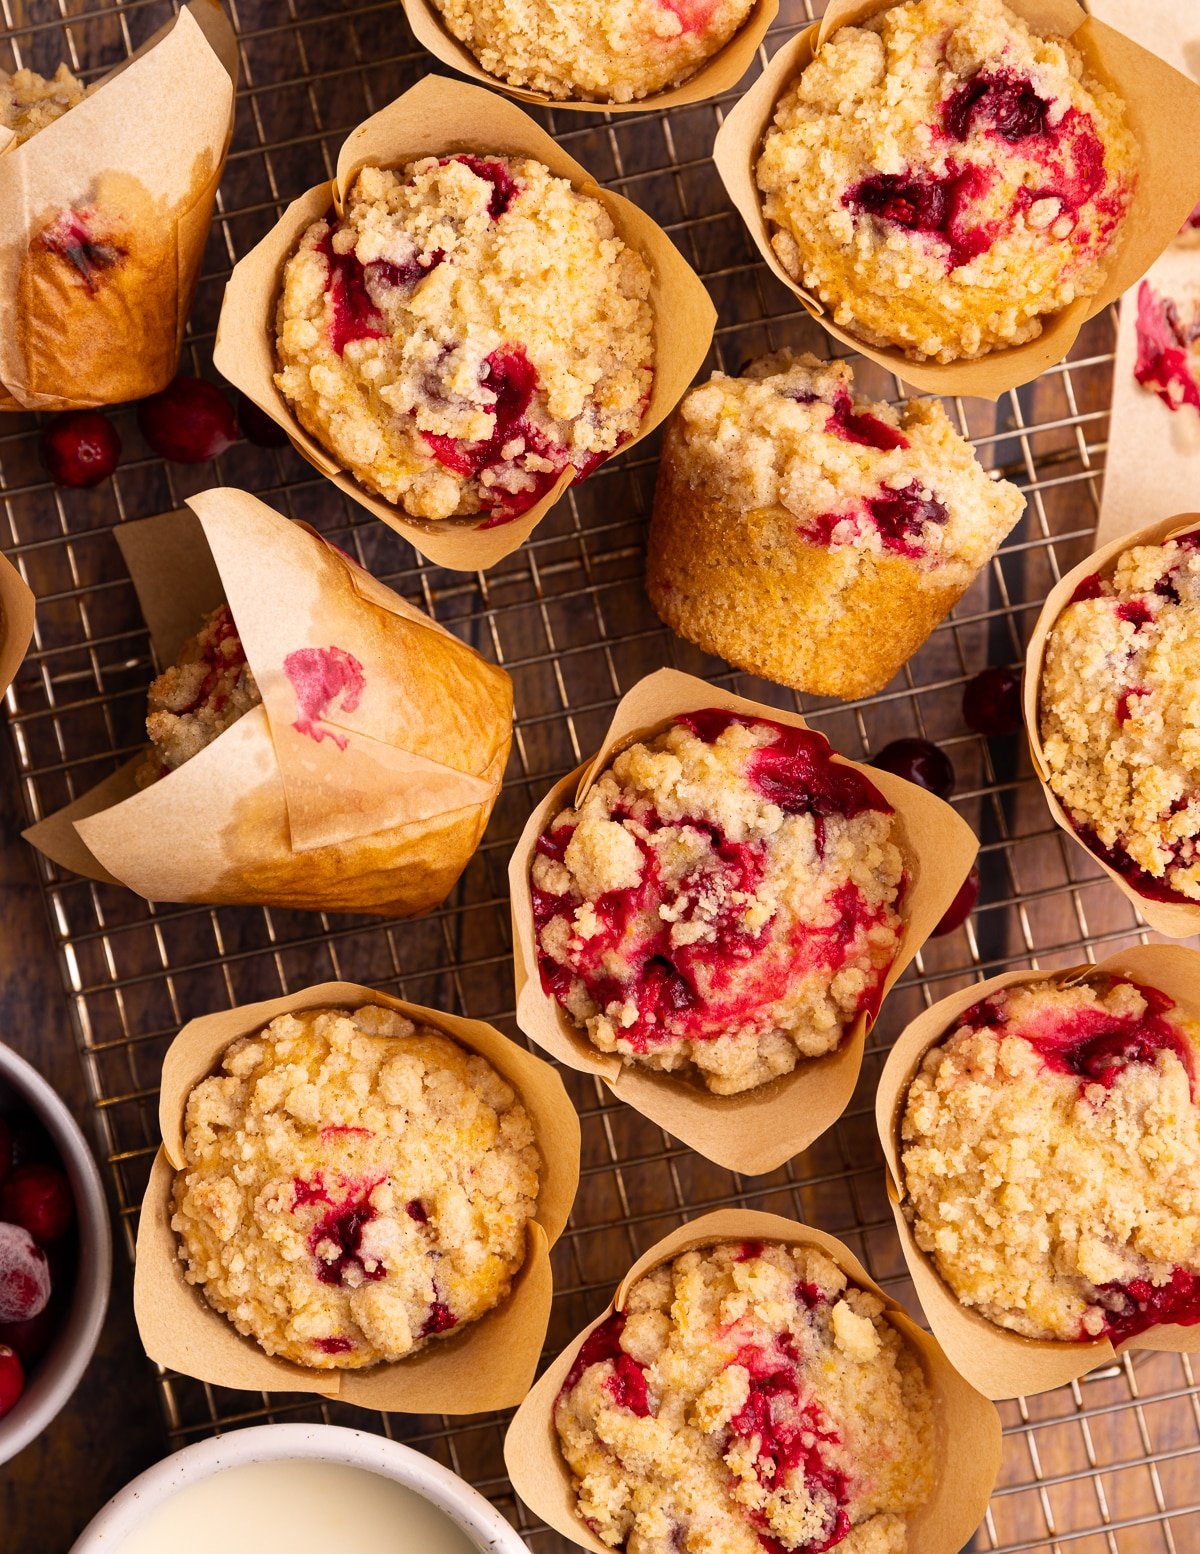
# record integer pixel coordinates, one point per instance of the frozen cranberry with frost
(191, 421)
(24, 1275)
(257, 426)
(80, 449)
(961, 907)
(38, 1198)
(12, 1380)
(920, 762)
(991, 702)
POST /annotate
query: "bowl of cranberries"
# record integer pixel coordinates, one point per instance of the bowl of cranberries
(55, 1254)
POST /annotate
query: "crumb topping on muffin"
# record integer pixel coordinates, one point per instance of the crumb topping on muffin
(748, 1399)
(356, 1186)
(29, 102)
(942, 178)
(607, 52)
(1051, 1159)
(725, 900)
(470, 328)
(1120, 716)
(857, 474)
(208, 688)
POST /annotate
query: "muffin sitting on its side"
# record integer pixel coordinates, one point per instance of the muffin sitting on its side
(812, 538)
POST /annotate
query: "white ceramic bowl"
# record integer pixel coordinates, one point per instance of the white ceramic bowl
(466, 1507)
(56, 1375)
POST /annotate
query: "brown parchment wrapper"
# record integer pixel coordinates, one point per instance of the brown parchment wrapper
(376, 809)
(967, 1441)
(138, 162)
(1144, 434)
(1163, 110)
(999, 1363)
(1174, 919)
(759, 1129)
(489, 1364)
(440, 117)
(719, 74)
(17, 608)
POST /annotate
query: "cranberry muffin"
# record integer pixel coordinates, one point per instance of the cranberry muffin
(600, 52)
(748, 1398)
(791, 520)
(29, 102)
(1051, 1159)
(469, 328)
(724, 901)
(942, 178)
(1120, 716)
(356, 1187)
(208, 688)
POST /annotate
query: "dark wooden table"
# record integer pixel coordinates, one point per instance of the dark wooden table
(112, 1428)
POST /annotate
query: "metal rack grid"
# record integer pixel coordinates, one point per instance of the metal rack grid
(1105, 1466)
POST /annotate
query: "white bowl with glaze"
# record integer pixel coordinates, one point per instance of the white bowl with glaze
(464, 1506)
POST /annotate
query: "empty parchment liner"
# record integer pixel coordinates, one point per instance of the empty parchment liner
(719, 74)
(488, 1365)
(966, 1426)
(439, 117)
(759, 1129)
(1002, 1364)
(1159, 101)
(104, 215)
(373, 801)
(1175, 919)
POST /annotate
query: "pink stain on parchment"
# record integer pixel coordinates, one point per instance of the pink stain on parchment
(320, 678)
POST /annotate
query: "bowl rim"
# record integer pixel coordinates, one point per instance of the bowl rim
(463, 1504)
(61, 1369)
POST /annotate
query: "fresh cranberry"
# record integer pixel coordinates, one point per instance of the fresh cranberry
(6, 1149)
(32, 1337)
(991, 702)
(24, 1275)
(38, 1198)
(80, 449)
(12, 1380)
(918, 761)
(258, 427)
(961, 907)
(191, 421)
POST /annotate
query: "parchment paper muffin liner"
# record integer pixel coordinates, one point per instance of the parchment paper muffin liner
(435, 118)
(719, 74)
(999, 1363)
(371, 801)
(966, 1426)
(17, 607)
(759, 1129)
(1177, 920)
(1163, 109)
(488, 1365)
(104, 215)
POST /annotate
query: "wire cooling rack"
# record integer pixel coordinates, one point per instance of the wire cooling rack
(1105, 1466)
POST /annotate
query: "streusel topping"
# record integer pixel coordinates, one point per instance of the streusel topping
(607, 52)
(208, 688)
(1120, 716)
(748, 1398)
(725, 899)
(856, 474)
(29, 102)
(356, 1186)
(467, 330)
(942, 178)
(1051, 1158)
